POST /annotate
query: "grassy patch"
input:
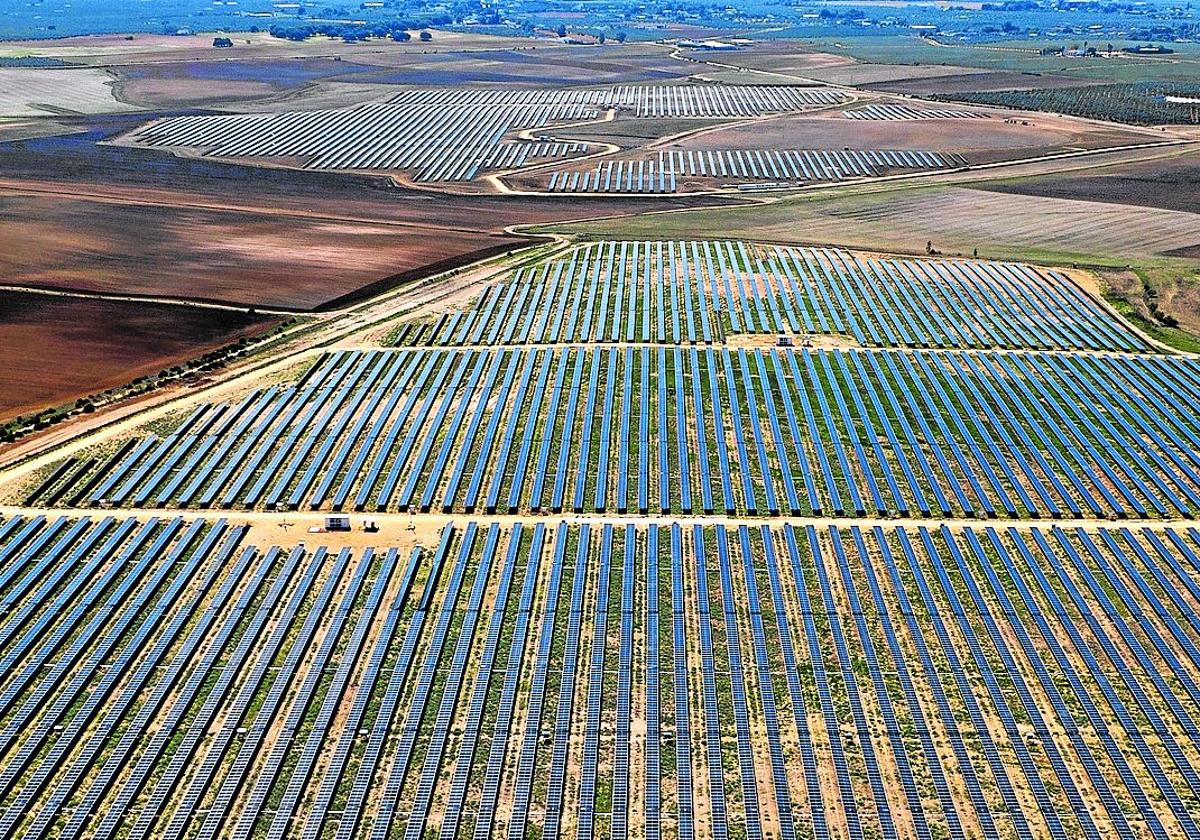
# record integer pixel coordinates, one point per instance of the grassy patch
(1174, 337)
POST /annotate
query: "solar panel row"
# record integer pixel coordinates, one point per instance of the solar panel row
(892, 111)
(451, 134)
(662, 174)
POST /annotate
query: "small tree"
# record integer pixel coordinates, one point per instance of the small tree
(562, 30)
(426, 35)
(621, 36)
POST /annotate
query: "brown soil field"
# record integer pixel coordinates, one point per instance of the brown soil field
(791, 58)
(1169, 185)
(1191, 252)
(342, 92)
(191, 93)
(980, 140)
(533, 64)
(57, 349)
(881, 75)
(779, 57)
(449, 59)
(256, 258)
(30, 128)
(214, 81)
(268, 73)
(632, 132)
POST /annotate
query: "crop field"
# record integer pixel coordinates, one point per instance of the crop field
(450, 134)
(163, 245)
(522, 65)
(701, 292)
(979, 140)
(1140, 103)
(946, 85)
(662, 174)
(190, 76)
(34, 92)
(168, 678)
(958, 220)
(57, 349)
(1168, 185)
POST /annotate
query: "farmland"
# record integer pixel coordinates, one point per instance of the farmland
(27, 92)
(643, 449)
(1137, 184)
(957, 219)
(977, 139)
(277, 259)
(1142, 103)
(58, 349)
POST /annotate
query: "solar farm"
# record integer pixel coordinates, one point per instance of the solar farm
(387, 136)
(453, 134)
(610, 533)
(675, 539)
